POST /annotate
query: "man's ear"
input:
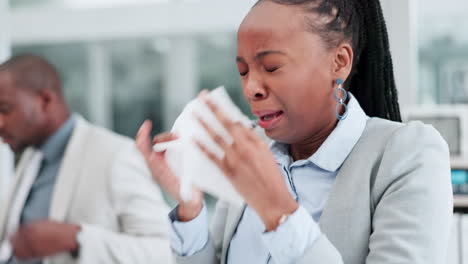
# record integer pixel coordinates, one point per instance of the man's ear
(47, 97)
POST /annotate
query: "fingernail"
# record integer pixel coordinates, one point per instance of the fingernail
(203, 93)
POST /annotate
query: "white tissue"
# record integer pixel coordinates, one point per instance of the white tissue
(188, 162)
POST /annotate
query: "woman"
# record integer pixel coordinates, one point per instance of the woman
(340, 183)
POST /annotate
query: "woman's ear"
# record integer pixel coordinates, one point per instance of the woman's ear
(343, 61)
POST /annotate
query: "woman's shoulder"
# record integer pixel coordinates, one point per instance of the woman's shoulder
(398, 154)
(394, 147)
(384, 142)
(412, 159)
(403, 136)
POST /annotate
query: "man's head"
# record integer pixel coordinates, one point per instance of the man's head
(31, 101)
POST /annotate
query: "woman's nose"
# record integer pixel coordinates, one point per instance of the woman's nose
(255, 90)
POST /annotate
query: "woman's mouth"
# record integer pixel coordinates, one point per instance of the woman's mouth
(268, 120)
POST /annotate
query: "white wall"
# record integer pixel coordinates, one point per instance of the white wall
(6, 157)
(149, 20)
(99, 91)
(182, 77)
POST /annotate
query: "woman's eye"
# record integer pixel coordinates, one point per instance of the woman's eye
(271, 69)
(242, 68)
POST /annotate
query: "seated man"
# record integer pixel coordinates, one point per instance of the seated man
(81, 193)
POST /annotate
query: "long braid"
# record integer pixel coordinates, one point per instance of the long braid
(373, 82)
(361, 22)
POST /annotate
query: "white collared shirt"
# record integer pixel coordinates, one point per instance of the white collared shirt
(309, 182)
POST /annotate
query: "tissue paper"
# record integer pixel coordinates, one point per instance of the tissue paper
(188, 162)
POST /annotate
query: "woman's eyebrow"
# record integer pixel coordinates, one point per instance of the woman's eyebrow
(239, 59)
(260, 55)
(264, 53)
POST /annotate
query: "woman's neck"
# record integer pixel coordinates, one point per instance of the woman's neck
(308, 147)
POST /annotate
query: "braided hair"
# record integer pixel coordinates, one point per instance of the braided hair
(361, 22)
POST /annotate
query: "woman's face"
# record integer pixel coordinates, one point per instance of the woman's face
(287, 73)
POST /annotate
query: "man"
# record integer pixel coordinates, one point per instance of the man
(81, 194)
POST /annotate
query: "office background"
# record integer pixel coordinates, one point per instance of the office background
(123, 61)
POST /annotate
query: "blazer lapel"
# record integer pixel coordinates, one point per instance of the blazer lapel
(341, 206)
(7, 204)
(327, 220)
(69, 171)
(232, 221)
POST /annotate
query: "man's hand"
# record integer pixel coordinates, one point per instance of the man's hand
(43, 239)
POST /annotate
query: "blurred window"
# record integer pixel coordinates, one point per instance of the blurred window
(138, 74)
(443, 51)
(80, 3)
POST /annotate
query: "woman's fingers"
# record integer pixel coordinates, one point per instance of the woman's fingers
(160, 170)
(203, 93)
(236, 129)
(217, 138)
(210, 155)
(143, 140)
(164, 137)
(227, 123)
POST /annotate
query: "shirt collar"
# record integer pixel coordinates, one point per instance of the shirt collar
(55, 145)
(339, 144)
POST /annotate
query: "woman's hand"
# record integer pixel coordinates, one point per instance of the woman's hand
(251, 168)
(163, 175)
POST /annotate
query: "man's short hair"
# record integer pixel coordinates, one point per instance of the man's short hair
(33, 72)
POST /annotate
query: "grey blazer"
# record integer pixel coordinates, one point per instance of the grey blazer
(391, 203)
